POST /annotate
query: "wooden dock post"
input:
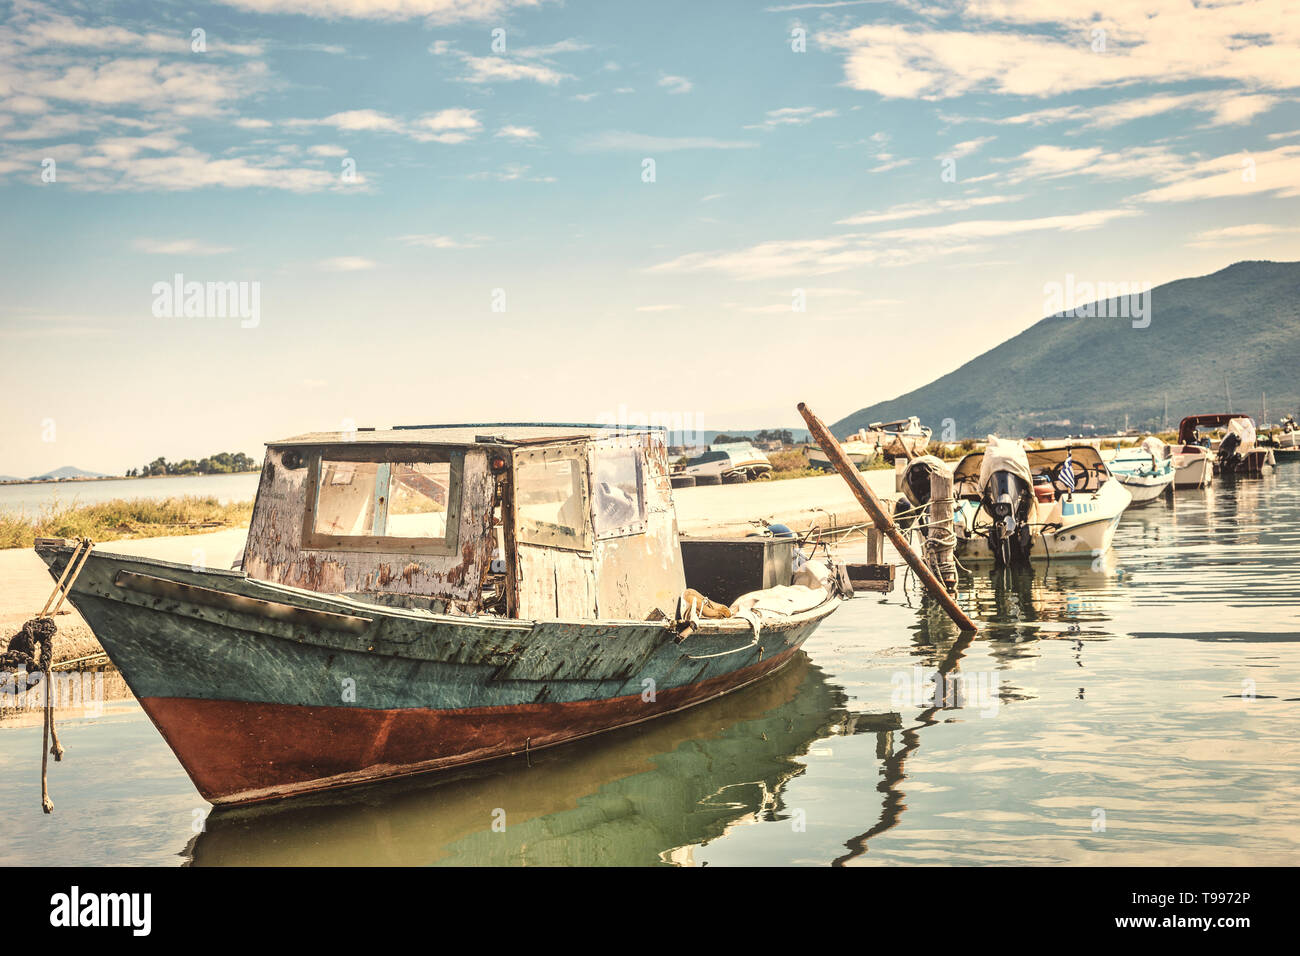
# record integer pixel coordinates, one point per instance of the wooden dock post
(939, 534)
(867, 498)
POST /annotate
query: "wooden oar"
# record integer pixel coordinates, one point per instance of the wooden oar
(862, 491)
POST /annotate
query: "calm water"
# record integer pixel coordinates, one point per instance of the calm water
(33, 498)
(1098, 718)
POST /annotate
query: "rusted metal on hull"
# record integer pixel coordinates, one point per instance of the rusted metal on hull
(240, 753)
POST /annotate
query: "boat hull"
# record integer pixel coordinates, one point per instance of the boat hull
(1146, 488)
(1086, 531)
(1193, 469)
(265, 691)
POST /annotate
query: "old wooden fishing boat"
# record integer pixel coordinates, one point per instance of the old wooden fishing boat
(423, 598)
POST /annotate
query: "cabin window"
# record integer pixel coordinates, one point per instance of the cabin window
(617, 493)
(383, 505)
(550, 507)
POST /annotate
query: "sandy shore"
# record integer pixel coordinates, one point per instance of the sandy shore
(714, 511)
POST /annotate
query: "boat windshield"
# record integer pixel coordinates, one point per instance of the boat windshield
(383, 499)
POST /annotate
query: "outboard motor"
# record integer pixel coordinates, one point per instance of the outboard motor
(1228, 455)
(1007, 498)
(916, 487)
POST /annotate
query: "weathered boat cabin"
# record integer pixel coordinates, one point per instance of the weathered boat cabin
(539, 522)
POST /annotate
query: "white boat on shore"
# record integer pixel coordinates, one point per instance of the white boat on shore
(860, 453)
(1012, 503)
(1147, 470)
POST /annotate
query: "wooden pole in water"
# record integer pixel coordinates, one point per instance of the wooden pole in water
(939, 531)
(862, 491)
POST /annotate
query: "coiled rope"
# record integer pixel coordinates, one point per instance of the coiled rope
(33, 647)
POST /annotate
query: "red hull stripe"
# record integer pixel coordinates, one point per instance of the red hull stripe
(240, 752)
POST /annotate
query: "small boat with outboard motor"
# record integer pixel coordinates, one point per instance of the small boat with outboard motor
(1236, 451)
(1283, 440)
(1146, 470)
(1013, 503)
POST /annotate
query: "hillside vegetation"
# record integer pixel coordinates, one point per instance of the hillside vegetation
(1242, 322)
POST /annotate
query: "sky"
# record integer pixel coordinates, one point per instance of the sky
(490, 210)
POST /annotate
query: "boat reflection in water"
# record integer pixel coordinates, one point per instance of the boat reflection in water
(628, 797)
(1016, 607)
(650, 794)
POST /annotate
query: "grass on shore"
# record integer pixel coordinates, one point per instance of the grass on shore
(114, 520)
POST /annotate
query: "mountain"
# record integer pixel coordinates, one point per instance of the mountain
(1241, 324)
(67, 471)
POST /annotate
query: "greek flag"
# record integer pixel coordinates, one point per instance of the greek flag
(1067, 473)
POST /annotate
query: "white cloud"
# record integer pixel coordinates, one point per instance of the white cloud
(968, 147)
(675, 84)
(512, 172)
(434, 11)
(615, 140)
(925, 207)
(347, 264)
(486, 69)
(1238, 174)
(517, 132)
(1154, 41)
(896, 247)
(1225, 107)
(792, 116)
(173, 247)
(454, 125)
(1246, 234)
(1049, 161)
(431, 241)
(159, 161)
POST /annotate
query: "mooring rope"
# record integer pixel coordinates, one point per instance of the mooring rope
(33, 647)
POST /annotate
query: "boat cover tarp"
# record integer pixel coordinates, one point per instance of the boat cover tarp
(1244, 429)
(1005, 454)
(1154, 447)
(780, 601)
(930, 464)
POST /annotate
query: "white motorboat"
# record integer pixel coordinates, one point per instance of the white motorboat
(729, 461)
(1193, 466)
(1012, 503)
(1146, 470)
(905, 438)
(860, 453)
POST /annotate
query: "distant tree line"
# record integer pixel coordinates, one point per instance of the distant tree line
(782, 435)
(222, 463)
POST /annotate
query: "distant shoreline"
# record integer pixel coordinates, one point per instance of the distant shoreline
(69, 481)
